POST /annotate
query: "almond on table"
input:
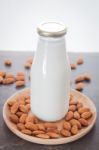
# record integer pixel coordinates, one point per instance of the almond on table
(20, 83)
(80, 86)
(73, 66)
(8, 62)
(80, 60)
(2, 73)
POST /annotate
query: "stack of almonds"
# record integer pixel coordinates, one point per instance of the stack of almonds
(81, 77)
(20, 79)
(8, 78)
(77, 118)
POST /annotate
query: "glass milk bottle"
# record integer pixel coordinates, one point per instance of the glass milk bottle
(50, 73)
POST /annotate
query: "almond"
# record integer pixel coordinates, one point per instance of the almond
(83, 109)
(74, 129)
(9, 75)
(76, 115)
(43, 136)
(53, 135)
(19, 113)
(75, 122)
(20, 126)
(20, 83)
(8, 62)
(27, 65)
(23, 118)
(23, 108)
(31, 126)
(20, 78)
(50, 125)
(30, 119)
(2, 73)
(14, 108)
(86, 115)
(79, 78)
(83, 122)
(41, 126)
(38, 132)
(26, 131)
(72, 108)
(69, 115)
(27, 101)
(8, 80)
(1, 79)
(66, 125)
(79, 86)
(80, 61)
(14, 118)
(73, 66)
(65, 133)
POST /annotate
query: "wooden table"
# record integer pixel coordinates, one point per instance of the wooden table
(9, 141)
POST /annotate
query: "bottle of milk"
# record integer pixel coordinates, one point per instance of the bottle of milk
(50, 73)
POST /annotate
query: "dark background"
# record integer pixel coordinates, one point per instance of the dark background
(9, 141)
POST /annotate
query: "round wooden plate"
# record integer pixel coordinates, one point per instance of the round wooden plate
(77, 95)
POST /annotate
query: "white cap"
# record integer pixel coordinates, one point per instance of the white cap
(51, 29)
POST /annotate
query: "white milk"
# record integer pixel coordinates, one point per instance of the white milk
(50, 74)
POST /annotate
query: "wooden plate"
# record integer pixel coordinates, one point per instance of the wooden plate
(77, 95)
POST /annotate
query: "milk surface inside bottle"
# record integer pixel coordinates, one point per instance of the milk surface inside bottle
(50, 73)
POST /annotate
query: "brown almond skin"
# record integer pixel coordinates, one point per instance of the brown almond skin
(72, 108)
(20, 83)
(53, 135)
(1, 79)
(8, 80)
(23, 108)
(29, 119)
(50, 125)
(80, 61)
(23, 118)
(2, 73)
(76, 115)
(67, 125)
(20, 126)
(73, 66)
(79, 78)
(69, 115)
(8, 62)
(38, 132)
(65, 133)
(41, 126)
(74, 129)
(20, 78)
(14, 118)
(75, 122)
(86, 115)
(9, 75)
(14, 107)
(83, 109)
(19, 113)
(80, 86)
(26, 131)
(43, 136)
(27, 65)
(31, 126)
(83, 122)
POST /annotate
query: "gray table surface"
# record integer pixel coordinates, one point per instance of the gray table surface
(9, 141)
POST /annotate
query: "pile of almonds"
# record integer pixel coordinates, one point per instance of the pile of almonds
(77, 118)
(79, 80)
(9, 78)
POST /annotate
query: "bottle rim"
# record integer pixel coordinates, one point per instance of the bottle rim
(51, 29)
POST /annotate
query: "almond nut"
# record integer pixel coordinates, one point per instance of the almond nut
(14, 118)
(69, 115)
(74, 129)
(86, 115)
